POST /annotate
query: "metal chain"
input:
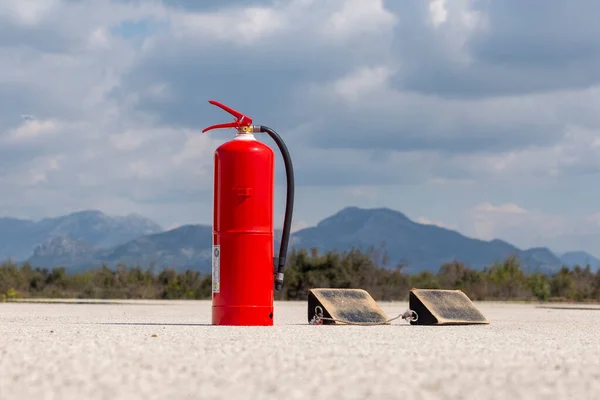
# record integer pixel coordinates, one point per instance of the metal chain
(408, 315)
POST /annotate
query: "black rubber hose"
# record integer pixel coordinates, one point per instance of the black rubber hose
(289, 206)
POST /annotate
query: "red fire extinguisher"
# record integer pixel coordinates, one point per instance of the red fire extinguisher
(244, 269)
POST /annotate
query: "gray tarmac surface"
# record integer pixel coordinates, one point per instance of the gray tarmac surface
(109, 351)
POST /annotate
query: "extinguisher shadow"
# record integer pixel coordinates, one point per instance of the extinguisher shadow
(149, 324)
(280, 324)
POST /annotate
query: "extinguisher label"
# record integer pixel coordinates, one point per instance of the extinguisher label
(216, 269)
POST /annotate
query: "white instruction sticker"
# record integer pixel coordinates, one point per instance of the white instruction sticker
(216, 269)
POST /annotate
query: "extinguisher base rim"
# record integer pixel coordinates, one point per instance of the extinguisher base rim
(242, 315)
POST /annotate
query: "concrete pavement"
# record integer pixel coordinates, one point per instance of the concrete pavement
(166, 349)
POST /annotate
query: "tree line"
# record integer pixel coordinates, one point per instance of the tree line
(307, 269)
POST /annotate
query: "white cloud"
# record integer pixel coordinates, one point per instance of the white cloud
(198, 150)
(28, 12)
(529, 228)
(355, 18)
(361, 82)
(39, 170)
(238, 27)
(297, 225)
(576, 151)
(378, 101)
(426, 221)
(31, 129)
(129, 140)
(366, 192)
(99, 38)
(502, 209)
(437, 9)
(490, 221)
(159, 91)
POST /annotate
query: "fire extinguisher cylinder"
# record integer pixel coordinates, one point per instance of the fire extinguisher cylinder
(245, 271)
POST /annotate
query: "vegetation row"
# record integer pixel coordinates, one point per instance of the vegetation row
(307, 269)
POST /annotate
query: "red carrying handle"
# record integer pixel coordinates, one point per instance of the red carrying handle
(240, 119)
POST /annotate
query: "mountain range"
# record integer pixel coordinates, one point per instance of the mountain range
(86, 239)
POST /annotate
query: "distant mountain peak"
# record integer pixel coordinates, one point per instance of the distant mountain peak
(85, 238)
(145, 225)
(135, 215)
(86, 212)
(500, 241)
(362, 215)
(578, 252)
(373, 210)
(581, 258)
(78, 229)
(418, 246)
(61, 245)
(538, 248)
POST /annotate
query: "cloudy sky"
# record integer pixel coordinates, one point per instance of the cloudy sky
(477, 115)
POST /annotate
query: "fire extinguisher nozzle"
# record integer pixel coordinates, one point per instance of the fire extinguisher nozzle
(279, 281)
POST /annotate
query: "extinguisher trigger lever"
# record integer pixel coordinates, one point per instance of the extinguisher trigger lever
(242, 122)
